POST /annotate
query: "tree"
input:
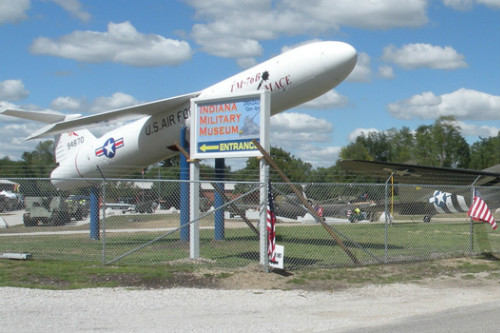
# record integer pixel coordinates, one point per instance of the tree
(377, 144)
(425, 149)
(451, 148)
(402, 143)
(10, 168)
(441, 144)
(355, 151)
(294, 168)
(485, 153)
(41, 161)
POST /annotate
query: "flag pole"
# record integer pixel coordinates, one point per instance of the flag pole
(392, 194)
(471, 223)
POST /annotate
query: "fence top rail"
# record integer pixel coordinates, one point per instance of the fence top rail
(208, 181)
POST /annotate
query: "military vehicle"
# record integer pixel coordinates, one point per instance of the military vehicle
(52, 211)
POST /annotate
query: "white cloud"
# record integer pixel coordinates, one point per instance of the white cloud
(294, 126)
(469, 4)
(305, 137)
(122, 43)
(330, 99)
(246, 62)
(13, 90)
(67, 103)
(13, 11)
(459, 4)
(318, 156)
(360, 131)
(383, 14)
(237, 35)
(412, 56)
(229, 47)
(362, 72)
(75, 8)
(490, 3)
(4, 106)
(386, 72)
(12, 138)
(116, 101)
(288, 129)
(462, 103)
(483, 131)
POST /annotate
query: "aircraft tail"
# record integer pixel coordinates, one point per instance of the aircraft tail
(67, 144)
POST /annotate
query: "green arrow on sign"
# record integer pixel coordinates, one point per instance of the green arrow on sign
(204, 148)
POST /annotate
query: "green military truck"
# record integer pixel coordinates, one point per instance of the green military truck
(52, 211)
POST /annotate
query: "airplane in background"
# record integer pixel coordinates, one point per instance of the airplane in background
(433, 186)
(421, 174)
(416, 195)
(293, 78)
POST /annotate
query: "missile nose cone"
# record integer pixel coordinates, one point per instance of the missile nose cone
(339, 58)
(349, 53)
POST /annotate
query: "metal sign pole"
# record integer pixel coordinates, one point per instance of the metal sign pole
(194, 204)
(264, 175)
(225, 127)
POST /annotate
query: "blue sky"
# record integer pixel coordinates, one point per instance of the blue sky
(418, 60)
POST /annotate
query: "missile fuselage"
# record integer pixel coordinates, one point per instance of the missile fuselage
(292, 78)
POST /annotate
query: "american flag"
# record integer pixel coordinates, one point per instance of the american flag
(480, 212)
(271, 225)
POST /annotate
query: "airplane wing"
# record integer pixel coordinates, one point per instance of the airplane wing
(419, 174)
(60, 125)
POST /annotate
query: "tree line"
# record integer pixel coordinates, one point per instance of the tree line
(440, 144)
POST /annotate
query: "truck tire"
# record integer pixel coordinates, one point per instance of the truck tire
(60, 218)
(78, 214)
(28, 222)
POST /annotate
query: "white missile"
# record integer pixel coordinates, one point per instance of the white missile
(293, 78)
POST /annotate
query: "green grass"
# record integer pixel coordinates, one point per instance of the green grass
(306, 246)
(61, 274)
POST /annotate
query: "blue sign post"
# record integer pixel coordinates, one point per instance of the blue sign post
(95, 199)
(184, 190)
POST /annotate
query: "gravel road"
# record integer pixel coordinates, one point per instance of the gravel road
(207, 310)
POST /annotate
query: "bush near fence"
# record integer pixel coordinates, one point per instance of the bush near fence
(140, 224)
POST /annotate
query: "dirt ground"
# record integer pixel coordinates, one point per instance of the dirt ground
(445, 273)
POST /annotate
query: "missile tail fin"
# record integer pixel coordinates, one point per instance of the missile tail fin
(68, 144)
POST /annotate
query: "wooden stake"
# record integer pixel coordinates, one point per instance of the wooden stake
(304, 201)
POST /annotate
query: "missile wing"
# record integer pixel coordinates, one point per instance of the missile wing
(60, 123)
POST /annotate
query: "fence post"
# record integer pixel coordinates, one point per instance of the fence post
(194, 201)
(386, 213)
(184, 189)
(94, 213)
(219, 199)
(103, 221)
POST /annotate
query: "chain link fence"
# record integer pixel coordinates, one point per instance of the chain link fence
(140, 222)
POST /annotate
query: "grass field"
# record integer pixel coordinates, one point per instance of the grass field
(306, 245)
